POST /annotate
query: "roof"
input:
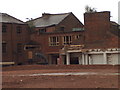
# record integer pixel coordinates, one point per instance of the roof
(49, 19)
(114, 23)
(5, 18)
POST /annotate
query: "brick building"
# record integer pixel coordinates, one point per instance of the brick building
(102, 38)
(53, 32)
(14, 35)
(60, 39)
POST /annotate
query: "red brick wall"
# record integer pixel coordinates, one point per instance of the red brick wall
(43, 40)
(96, 26)
(7, 38)
(69, 23)
(99, 32)
(12, 38)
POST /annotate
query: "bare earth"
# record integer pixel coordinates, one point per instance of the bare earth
(72, 76)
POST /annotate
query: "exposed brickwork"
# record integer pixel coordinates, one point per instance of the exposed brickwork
(98, 31)
(11, 37)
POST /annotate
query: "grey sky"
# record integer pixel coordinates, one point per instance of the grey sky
(23, 9)
(119, 12)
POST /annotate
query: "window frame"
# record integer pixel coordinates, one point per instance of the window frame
(77, 36)
(19, 47)
(67, 40)
(53, 41)
(4, 28)
(18, 29)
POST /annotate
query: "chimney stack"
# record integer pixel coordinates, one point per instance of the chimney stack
(46, 15)
(96, 26)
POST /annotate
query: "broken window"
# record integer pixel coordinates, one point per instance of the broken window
(62, 28)
(53, 41)
(77, 36)
(67, 40)
(42, 30)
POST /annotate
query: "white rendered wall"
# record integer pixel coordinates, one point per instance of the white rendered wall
(113, 59)
(97, 59)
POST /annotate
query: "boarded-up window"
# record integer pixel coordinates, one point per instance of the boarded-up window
(30, 55)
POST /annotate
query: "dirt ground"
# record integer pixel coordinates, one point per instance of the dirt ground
(71, 76)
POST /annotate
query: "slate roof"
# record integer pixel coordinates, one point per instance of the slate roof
(49, 19)
(9, 19)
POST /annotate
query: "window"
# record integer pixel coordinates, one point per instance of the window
(4, 47)
(18, 29)
(42, 30)
(53, 41)
(67, 40)
(19, 47)
(77, 36)
(119, 27)
(4, 28)
(62, 28)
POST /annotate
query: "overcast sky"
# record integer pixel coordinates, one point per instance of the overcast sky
(23, 9)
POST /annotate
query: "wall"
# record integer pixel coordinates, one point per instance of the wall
(96, 27)
(43, 40)
(69, 23)
(12, 38)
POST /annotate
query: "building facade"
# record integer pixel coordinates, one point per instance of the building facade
(14, 35)
(61, 39)
(101, 44)
(53, 32)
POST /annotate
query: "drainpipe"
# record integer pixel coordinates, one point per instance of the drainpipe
(12, 40)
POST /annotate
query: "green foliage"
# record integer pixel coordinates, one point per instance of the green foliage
(88, 9)
(31, 26)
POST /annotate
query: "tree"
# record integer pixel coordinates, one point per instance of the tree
(31, 25)
(88, 9)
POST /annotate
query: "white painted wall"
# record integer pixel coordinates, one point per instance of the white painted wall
(113, 59)
(97, 59)
(92, 58)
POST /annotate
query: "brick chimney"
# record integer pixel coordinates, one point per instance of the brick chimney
(45, 15)
(96, 26)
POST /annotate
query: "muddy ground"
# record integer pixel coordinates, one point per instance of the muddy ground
(71, 76)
